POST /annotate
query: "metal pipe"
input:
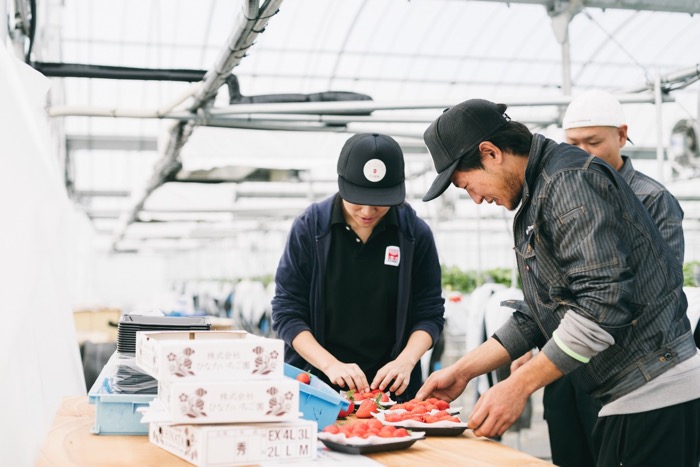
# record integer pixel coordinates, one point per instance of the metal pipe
(3, 30)
(79, 70)
(237, 44)
(327, 109)
(165, 112)
(167, 108)
(566, 66)
(659, 144)
(675, 6)
(678, 76)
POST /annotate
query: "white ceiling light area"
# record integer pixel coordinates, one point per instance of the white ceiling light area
(161, 144)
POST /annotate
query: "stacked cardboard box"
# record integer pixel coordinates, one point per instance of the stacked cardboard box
(224, 398)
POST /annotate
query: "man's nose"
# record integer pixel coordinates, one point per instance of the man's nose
(476, 198)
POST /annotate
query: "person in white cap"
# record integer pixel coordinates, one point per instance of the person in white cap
(358, 297)
(595, 122)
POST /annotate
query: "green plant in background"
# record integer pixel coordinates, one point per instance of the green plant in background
(454, 278)
(265, 279)
(689, 273)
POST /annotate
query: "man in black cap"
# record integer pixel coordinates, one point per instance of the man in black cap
(603, 291)
(358, 288)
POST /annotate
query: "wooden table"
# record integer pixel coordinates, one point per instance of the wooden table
(71, 444)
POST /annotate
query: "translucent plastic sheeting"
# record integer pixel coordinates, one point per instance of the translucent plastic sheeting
(42, 247)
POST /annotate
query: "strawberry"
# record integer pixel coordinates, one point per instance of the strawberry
(392, 417)
(430, 419)
(304, 378)
(331, 429)
(345, 413)
(442, 405)
(374, 423)
(366, 409)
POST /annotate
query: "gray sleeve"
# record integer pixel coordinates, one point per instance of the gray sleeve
(668, 217)
(575, 342)
(520, 333)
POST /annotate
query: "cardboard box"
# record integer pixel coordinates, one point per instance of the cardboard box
(197, 402)
(94, 324)
(221, 445)
(209, 355)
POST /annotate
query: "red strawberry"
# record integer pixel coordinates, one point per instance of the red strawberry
(345, 413)
(392, 417)
(304, 378)
(442, 405)
(331, 429)
(366, 409)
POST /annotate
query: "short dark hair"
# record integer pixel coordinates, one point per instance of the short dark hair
(514, 137)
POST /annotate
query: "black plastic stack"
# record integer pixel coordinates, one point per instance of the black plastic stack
(130, 324)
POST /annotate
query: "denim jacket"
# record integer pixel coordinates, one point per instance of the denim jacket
(585, 243)
(663, 207)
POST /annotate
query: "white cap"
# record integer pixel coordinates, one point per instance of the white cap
(594, 108)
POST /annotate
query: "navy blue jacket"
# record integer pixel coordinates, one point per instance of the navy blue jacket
(298, 304)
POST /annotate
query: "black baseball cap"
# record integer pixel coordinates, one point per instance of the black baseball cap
(457, 133)
(371, 171)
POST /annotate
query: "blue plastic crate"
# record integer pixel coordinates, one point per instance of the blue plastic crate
(116, 414)
(317, 401)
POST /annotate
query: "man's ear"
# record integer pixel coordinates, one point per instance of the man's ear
(622, 135)
(491, 152)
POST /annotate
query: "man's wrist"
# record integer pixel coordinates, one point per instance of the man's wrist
(462, 369)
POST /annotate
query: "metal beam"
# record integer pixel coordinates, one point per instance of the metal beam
(253, 22)
(79, 70)
(325, 108)
(673, 6)
(320, 108)
(111, 143)
(101, 193)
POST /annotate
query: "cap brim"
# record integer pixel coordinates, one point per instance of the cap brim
(389, 196)
(441, 182)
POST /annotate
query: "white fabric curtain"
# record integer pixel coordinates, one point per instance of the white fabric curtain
(44, 245)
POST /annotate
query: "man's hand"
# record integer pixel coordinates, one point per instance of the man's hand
(446, 384)
(501, 405)
(497, 409)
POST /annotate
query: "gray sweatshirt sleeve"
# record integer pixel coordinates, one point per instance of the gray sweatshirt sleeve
(575, 342)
